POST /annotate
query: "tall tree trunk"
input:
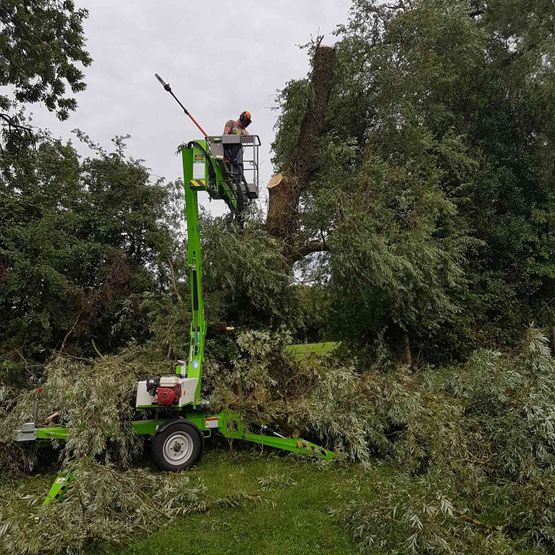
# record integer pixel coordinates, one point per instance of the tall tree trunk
(285, 190)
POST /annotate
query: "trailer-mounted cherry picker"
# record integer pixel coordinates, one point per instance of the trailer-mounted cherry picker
(178, 436)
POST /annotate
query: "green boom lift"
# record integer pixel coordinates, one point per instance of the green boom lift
(174, 414)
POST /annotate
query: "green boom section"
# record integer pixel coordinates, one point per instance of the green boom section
(194, 260)
(201, 172)
(232, 426)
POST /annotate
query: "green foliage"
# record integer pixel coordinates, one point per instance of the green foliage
(471, 440)
(421, 515)
(42, 47)
(246, 279)
(102, 505)
(292, 102)
(512, 401)
(396, 250)
(247, 379)
(81, 243)
(434, 193)
(268, 384)
(357, 417)
(91, 398)
(169, 320)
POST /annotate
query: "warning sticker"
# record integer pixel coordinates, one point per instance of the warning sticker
(211, 422)
(198, 167)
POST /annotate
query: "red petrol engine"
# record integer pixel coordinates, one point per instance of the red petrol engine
(165, 390)
(168, 395)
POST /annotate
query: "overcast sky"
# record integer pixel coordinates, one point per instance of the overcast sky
(220, 56)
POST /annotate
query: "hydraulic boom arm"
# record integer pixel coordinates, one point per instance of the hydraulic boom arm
(194, 261)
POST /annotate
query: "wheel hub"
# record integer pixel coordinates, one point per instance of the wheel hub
(178, 448)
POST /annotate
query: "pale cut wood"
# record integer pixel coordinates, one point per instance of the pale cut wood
(275, 180)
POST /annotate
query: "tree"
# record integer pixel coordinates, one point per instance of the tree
(434, 190)
(85, 247)
(300, 163)
(41, 47)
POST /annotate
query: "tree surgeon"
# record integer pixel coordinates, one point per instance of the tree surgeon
(233, 153)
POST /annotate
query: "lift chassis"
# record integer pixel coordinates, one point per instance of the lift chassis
(178, 438)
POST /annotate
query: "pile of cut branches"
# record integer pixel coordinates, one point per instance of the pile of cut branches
(93, 398)
(104, 505)
(479, 438)
(470, 440)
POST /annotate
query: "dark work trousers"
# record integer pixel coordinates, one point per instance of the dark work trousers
(233, 154)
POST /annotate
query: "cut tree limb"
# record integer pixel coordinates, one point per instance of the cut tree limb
(303, 161)
(307, 248)
(280, 220)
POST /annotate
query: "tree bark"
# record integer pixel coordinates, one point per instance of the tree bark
(285, 189)
(406, 354)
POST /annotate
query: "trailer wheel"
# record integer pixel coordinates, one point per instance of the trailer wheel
(177, 447)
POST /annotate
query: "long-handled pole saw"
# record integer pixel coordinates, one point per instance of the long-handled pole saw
(169, 89)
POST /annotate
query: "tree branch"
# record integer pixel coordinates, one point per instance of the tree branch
(12, 123)
(308, 248)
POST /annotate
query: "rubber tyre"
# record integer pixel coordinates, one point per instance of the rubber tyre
(177, 447)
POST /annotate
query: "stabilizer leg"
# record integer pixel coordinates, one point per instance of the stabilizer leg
(59, 488)
(231, 425)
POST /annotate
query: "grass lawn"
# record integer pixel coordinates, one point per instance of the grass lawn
(312, 349)
(291, 516)
(283, 507)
